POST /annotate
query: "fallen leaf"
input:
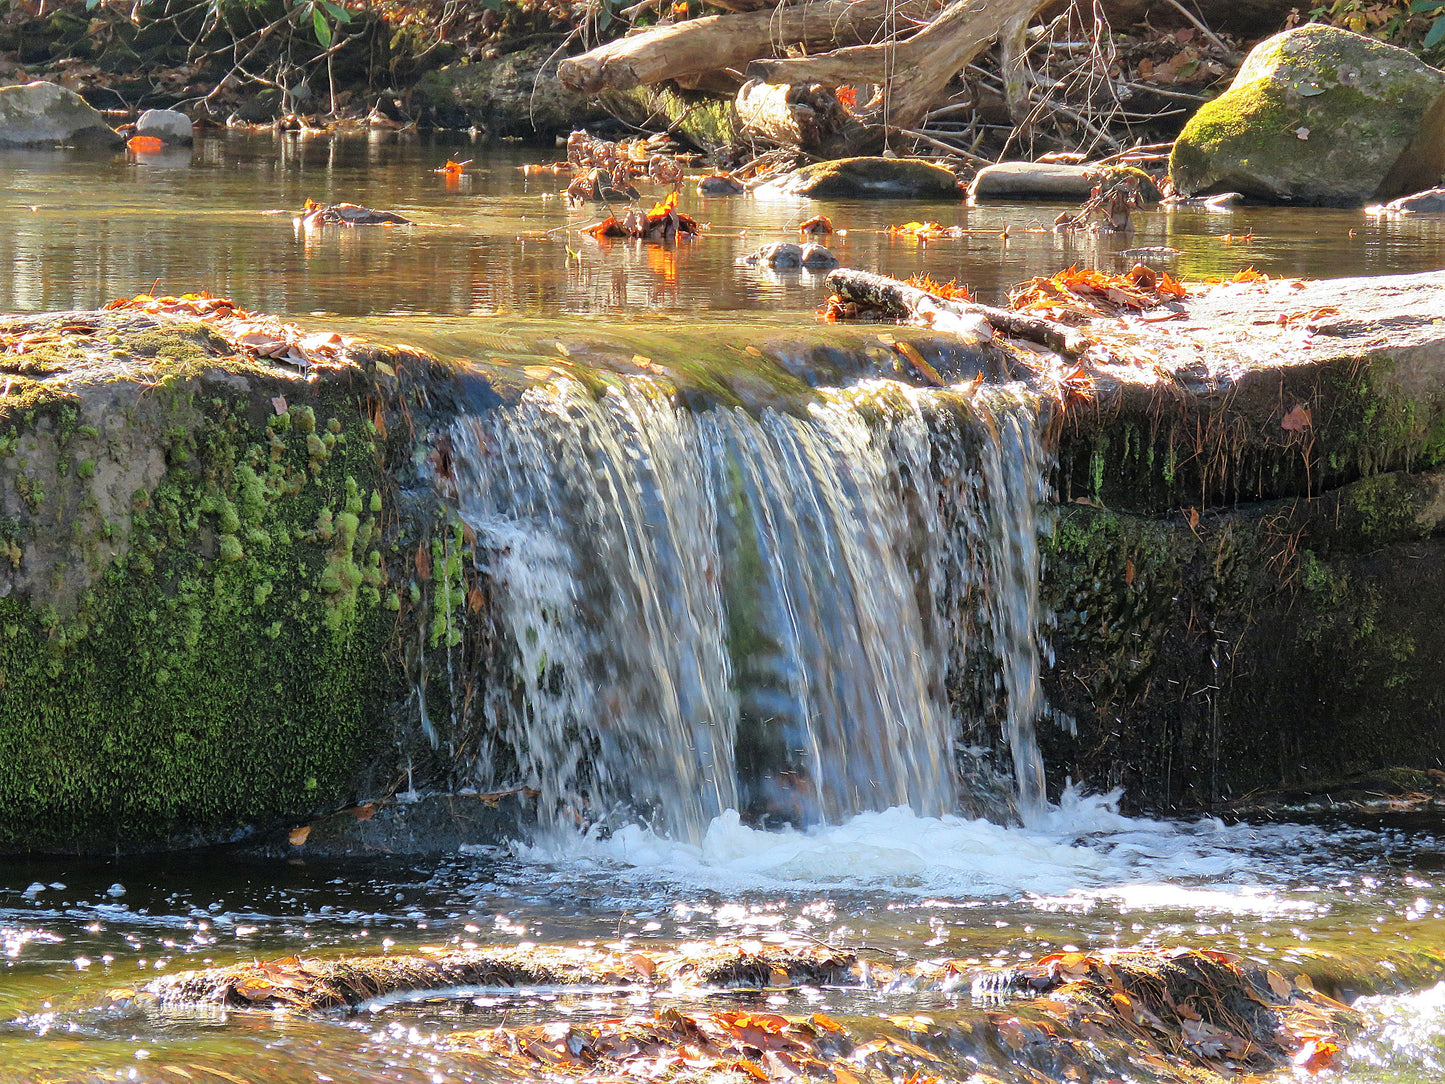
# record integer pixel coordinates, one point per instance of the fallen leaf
(298, 836)
(1297, 420)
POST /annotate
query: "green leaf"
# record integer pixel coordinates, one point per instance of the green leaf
(1437, 32)
(604, 18)
(1425, 5)
(322, 28)
(341, 15)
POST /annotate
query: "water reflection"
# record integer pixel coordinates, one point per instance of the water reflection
(80, 229)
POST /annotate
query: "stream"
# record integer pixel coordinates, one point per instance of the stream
(889, 868)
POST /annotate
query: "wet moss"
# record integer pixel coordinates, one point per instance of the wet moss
(219, 669)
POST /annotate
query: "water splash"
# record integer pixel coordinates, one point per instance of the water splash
(713, 610)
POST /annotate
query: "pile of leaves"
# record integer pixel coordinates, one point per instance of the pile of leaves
(634, 159)
(664, 223)
(258, 336)
(927, 231)
(1075, 295)
(1202, 1006)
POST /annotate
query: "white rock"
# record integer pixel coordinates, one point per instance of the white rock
(169, 124)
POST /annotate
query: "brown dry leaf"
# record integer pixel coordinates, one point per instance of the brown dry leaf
(1297, 420)
(642, 963)
(255, 988)
(1279, 984)
(298, 836)
(920, 365)
(825, 1023)
(423, 563)
(365, 811)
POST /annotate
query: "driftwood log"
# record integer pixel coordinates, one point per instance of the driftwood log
(805, 116)
(916, 70)
(900, 300)
(715, 42)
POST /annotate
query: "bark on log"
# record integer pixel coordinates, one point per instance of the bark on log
(901, 300)
(731, 41)
(916, 70)
(809, 118)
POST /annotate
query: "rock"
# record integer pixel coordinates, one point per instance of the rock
(44, 114)
(1318, 116)
(719, 184)
(170, 125)
(348, 214)
(784, 255)
(873, 178)
(513, 95)
(1430, 201)
(1033, 181)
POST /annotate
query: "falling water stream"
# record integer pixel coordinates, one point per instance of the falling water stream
(713, 610)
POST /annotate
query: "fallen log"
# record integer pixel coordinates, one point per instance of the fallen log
(717, 42)
(899, 299)
(916, 70)
(806, 117)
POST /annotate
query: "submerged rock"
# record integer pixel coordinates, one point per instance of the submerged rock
(44, 114)
(1318, 115)
(873, 178)
(347, 214)
(784, 255)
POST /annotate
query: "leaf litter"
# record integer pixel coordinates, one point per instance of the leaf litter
(1171, 1016)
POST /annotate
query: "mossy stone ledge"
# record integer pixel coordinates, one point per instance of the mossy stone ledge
(193, 595)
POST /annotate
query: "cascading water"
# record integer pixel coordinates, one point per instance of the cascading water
(710, 610)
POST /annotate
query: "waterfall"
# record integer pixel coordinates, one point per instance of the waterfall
(711, 610)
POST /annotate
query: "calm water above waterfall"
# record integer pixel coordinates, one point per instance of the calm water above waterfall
(742, 646)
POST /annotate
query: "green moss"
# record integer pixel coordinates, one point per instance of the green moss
(154, 708)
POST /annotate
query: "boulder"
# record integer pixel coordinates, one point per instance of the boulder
(513, 95)
(43, 114)
(1318, 116)
(1430, 201)
(1032, 181)
(170, 125)
(873, 178)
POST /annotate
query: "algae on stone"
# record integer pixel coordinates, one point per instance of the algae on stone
(1318, 115)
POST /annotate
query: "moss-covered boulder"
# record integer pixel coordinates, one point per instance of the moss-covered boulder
(874, 178)
(1319, 116)
(193, 604)
(516, 94)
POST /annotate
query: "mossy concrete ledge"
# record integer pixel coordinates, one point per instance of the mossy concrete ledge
(193, 591)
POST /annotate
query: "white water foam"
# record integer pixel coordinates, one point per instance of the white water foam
(1079, 854)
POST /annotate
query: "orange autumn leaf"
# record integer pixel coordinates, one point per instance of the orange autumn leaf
(950, 290)
(1249, 274)
(669, 204)
(298, 836)
(143, 144)
(848, 98)
(608, 227)
(1316, 1054)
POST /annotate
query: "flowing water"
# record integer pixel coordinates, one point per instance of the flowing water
(742, 645)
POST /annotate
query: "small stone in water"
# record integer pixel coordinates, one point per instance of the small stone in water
(115, 891)
(33, 891)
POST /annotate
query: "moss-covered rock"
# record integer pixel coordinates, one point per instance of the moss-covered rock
(1283, 644)
(1318, 115)
(517, 94)
(191, 581)
(874, 178)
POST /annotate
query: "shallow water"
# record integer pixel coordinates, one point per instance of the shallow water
(80, 230)
(1357, 906)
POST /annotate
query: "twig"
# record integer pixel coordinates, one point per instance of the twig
(1203, 28)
